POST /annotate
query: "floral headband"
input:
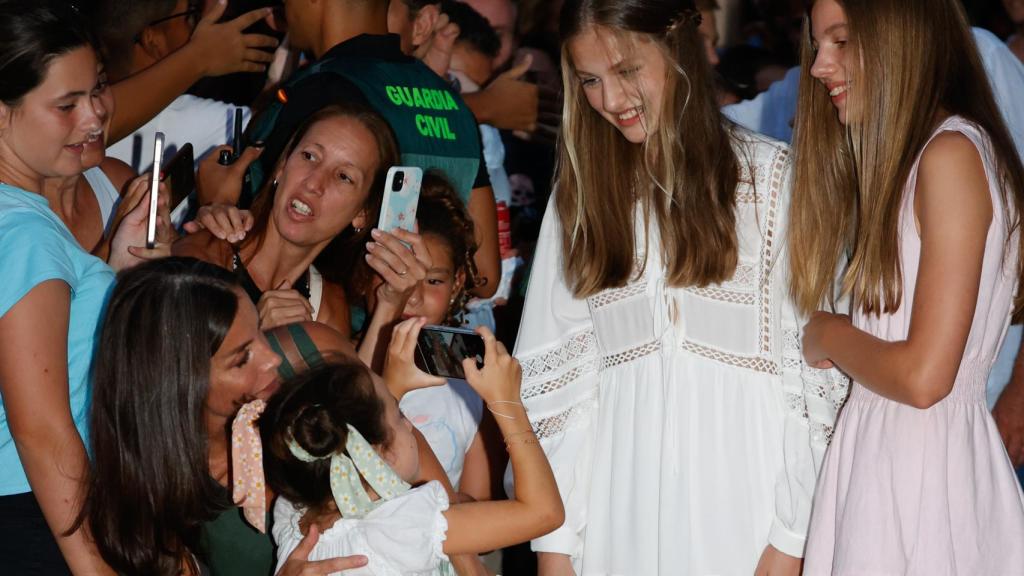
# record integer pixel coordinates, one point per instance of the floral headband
(348, 467)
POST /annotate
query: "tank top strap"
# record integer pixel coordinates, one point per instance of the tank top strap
(296, 348)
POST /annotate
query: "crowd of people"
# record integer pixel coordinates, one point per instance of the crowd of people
(760, 266)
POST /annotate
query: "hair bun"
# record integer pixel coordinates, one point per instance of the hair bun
(316, 431)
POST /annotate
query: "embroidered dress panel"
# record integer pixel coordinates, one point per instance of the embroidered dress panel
(678, 420)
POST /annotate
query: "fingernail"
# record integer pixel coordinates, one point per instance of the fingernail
(375, 233)
(371, 246)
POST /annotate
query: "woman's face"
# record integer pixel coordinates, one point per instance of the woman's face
(58, 128)
(244, 368)
(402, 452)
(623, 77)
(432, 297)
(832, 59)
(325, 181)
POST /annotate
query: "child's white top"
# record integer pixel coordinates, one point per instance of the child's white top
(403, 536)
(448, 417)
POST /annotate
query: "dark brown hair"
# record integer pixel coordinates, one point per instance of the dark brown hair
(149, 487)
(442, 214)
(316, 408)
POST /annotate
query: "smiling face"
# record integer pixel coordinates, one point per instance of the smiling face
(623, 78)
(832, 60)
(57, 130)
(432, 297)
(244, 368)
(325, 182)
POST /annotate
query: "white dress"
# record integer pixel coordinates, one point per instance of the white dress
(683, 428)
(402, 537)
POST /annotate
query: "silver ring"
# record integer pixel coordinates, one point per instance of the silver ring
(402, 273)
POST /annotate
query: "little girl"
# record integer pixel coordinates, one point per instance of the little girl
(340, 458)
(449, 415)
(906, 169)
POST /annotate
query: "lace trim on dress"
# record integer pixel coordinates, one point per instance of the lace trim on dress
(567, 419)
(723, 295)
(549, 386)
(613, 295)
(582, 346)
(631, 355)
(756, 363)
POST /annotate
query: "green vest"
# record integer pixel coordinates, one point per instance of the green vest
(434, 128)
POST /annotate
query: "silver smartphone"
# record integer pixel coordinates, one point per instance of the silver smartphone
(154, 189)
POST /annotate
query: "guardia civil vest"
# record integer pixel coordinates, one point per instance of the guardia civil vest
(434, 128)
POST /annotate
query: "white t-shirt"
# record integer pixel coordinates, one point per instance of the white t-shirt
(204, 122)
(448, 417)
(404, 536)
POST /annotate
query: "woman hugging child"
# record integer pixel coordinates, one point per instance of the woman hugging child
(341, 457)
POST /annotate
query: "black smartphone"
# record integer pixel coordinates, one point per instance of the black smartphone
(180, 175)
(440, 350)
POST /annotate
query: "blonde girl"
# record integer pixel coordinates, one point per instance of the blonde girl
(906, 171)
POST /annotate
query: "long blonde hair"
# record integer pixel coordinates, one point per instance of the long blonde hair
(917, 62)
(684, 177)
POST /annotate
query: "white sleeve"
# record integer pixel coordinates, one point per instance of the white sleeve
(812, 399)
(408, 532)
(558, 352)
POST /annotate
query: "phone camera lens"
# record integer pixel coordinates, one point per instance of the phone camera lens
(398, 182)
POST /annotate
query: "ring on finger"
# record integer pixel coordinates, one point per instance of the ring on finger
(403, 272)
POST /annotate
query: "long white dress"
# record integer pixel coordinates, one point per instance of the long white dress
(682, 425)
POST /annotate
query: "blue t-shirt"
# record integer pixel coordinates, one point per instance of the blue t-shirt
(35, 246)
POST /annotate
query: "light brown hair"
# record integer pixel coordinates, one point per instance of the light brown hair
(684, 176)
(918, 62)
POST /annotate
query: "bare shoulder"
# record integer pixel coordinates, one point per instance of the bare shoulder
(951, 182)
(334, 309)
(203, 246)
(329, 340)
(119, 173)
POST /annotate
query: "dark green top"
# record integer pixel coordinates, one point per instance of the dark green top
(229, 546)
(433, 127)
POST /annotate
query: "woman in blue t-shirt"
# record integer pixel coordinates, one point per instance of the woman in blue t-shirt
(51, 291)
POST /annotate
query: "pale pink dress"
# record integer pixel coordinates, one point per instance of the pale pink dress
(926, 492)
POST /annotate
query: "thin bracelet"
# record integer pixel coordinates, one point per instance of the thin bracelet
(510, 443)
(499, 414)
(508, 437)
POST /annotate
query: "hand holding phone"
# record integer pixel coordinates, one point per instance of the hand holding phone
(154, 190)
(498, 380)
(440, 350)
(401, 197)
(401, 373)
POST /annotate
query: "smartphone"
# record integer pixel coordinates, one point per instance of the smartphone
(440, 350)
(180, 175)
(237, 136)
(154, 189)
(401, 195)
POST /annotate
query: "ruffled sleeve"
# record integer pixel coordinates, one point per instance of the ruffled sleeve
(558, 351)
(408, 532)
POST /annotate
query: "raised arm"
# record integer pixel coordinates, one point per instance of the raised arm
(215, 49)
(536, 509)
(954, 210)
